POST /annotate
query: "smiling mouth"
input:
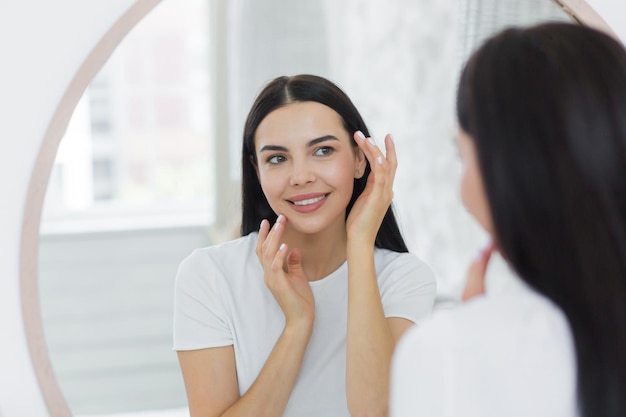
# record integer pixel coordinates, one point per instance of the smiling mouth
(308, 201)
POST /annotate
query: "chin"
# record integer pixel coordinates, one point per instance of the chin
(308, 228)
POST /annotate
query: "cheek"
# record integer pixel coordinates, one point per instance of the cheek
(340, 176)
(464, 190)
(270, 182)
(344, 169)
(474, 199)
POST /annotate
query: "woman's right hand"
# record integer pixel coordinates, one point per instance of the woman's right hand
(283, 274)
(211, 374)
(475, 281)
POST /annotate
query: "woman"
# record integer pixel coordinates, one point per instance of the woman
(300, 315)
(542, 115)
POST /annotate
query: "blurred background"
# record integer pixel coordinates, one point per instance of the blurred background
(149, 167)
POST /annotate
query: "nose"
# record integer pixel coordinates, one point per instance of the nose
(301, 174)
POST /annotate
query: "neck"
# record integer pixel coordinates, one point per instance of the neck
(322, 253)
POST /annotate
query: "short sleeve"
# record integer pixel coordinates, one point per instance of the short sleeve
(200, 319)
(407, 288)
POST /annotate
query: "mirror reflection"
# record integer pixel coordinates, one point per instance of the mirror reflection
(131, 192)
(148, 169)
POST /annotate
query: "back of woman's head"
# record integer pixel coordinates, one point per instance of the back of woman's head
(546, 109)
(301, 88)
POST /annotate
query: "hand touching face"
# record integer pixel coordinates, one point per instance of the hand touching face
(307, 163)
(283, 274)
(369, 209)
(475, 200)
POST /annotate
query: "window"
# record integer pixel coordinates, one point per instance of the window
(138, 149)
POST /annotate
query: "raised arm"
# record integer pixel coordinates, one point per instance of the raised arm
(210, 375)
(370, 336)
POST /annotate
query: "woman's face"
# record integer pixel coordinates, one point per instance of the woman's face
(472, 189)
(307, 165)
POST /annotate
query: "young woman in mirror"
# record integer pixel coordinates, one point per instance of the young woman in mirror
(300, 315)
(542, 115)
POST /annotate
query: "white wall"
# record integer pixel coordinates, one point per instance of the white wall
(614, 14)
(107, 308)
(43, 44)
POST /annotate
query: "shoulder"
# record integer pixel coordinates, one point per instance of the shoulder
(513, 315)
(520, 332)
(385, 258)
(223, 258)
(390, 264)
(490, 353)
(407, 285)
(221, 252)
(520, 311)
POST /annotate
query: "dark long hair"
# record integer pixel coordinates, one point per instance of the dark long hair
(278, 93)
(546, 109)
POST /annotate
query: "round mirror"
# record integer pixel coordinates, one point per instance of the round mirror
(106, 277)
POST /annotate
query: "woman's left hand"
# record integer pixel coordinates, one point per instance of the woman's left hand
(370, 208)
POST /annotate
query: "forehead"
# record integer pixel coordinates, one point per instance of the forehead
(301, 121)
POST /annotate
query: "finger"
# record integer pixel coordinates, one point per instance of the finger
(263, 231)
(475, 282)
(271, 244)
(279, 258)
(390, 152)
(294, 261)
(364, 144)
(368, 145)
(378, 163)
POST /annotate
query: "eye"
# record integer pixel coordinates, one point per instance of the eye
(324, 150)
(276, 159)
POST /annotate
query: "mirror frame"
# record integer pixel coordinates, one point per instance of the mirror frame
(29, 245)
(582, 13)
(54, 400)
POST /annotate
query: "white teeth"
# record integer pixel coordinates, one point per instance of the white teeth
(309, 201)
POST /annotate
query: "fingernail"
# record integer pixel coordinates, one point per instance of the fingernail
(279, 218)
(360, 135)
(391, 137)
(379, 160)
(372, 141)
(282, 247)
(261, 225)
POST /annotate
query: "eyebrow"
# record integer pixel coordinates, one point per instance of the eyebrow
(309, 144)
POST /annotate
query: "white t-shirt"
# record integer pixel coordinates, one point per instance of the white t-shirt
(509, 354)
(221, 300)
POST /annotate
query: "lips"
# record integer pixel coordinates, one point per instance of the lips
(307, 202)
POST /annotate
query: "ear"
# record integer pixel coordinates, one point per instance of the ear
(360, 164)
